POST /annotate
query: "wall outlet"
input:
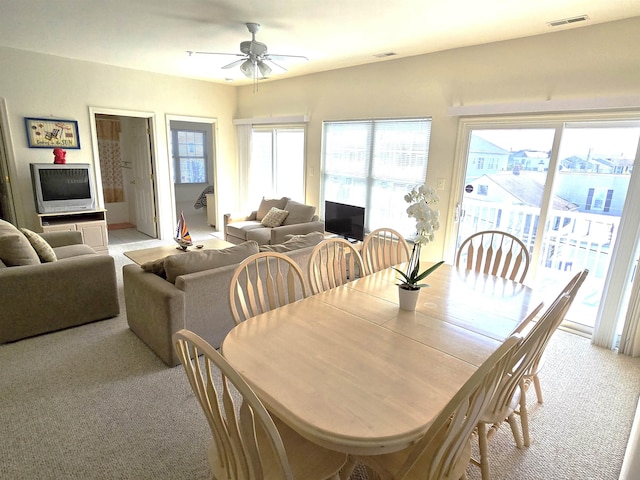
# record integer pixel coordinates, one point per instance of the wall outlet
(440, 184)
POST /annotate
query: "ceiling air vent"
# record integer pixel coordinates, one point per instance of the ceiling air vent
(567, 21)
(385, 54)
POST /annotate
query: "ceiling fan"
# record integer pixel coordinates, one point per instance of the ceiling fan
(255, 56)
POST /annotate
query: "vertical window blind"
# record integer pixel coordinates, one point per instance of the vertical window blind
(373, 164)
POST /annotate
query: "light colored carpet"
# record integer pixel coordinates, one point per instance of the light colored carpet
(95, 402)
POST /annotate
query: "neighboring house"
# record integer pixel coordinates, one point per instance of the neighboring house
(514, 188)
(485, 157)
(532, 160)
(597, 164)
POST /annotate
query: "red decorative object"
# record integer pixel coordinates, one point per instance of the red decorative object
(59, 155)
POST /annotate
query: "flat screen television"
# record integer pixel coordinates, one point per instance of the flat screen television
(344, 220)
(63, 187)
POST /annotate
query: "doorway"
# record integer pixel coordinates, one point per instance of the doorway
(558, 186)
(192, 157)
(125, 174)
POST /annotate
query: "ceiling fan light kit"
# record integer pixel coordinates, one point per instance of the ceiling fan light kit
(255, 56)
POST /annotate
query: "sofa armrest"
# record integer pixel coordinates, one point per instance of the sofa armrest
(62, 238)
(155, 310)
(237, 217)
(278, 234)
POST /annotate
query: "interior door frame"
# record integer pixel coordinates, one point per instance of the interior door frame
(7, 164)
(151, 119)
(213, 162)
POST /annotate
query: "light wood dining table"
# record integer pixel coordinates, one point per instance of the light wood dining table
(350, 371)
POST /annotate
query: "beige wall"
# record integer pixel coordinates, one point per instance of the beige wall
(35, 85)
(598, 61)
(582, 63)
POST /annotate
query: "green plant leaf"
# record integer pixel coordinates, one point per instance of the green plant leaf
(429, 271)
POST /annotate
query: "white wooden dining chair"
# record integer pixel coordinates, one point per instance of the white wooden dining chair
(247, 444)
(265, 281)
(495, 253)
(505, 404)
(333, 262)
(443, 453)
(510, 400)
(571, 289)
(382, 248)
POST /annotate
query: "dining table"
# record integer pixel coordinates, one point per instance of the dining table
(349, 370)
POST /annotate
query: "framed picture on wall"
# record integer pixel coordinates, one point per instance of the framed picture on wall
(51, 133)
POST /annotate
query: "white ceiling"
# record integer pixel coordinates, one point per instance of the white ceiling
(155, 35)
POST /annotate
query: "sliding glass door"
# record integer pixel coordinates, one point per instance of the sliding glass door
(559, 186)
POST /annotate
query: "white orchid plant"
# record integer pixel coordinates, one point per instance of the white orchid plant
(423, 201)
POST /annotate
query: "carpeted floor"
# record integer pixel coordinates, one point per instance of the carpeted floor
(93, 402)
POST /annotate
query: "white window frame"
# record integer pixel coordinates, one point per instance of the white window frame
(368, 178)
(175, 147)
(626, 243)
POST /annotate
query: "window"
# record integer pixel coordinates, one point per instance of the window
(483, 190)
(599, 199)
(373, 164)
(190, 155)
(277, 161)
(567, 201)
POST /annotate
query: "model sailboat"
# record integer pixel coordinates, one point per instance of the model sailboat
(183, 237)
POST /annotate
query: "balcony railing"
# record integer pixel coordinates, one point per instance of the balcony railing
(572, 241)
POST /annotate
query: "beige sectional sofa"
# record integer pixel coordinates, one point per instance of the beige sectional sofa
(299, 219)
(51, 281)
(191, 290)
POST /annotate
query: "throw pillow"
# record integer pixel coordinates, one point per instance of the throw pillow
(40, 245)
(274, 218)
(15, 250)
(191, 262)
(298, 213)
(155, 266)
(266, 204)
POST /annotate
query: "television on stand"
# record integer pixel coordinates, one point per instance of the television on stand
(344, 220)
(63, 187)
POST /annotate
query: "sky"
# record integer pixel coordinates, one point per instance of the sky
(616, 142)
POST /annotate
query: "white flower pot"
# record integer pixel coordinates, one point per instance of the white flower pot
(408, 299)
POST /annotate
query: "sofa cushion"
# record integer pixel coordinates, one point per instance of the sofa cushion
(191, 262)
(298, 213)
(240, 229)
(15, 250)
(260, 235)
(274, 217)
(40, 245)
(295, 242)
(267, 203)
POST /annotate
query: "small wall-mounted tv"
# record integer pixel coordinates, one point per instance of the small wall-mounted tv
(62, 188)
(344, 220)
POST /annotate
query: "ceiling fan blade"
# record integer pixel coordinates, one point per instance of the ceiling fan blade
(276, 64)
(234, 64)
(191, 52)
(285, 57)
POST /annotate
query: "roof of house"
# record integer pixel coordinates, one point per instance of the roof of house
(527, 189)
(480, 145)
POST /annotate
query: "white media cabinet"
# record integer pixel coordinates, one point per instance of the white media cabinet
(92, 224)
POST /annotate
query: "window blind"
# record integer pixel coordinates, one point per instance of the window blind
(373, 164)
